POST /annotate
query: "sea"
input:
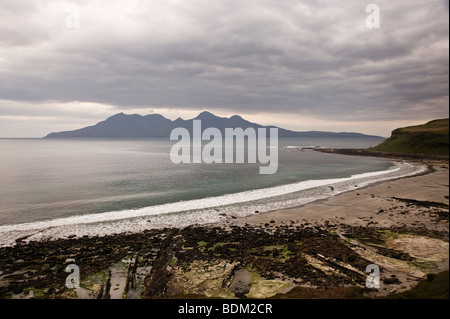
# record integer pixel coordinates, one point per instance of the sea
(55, 188)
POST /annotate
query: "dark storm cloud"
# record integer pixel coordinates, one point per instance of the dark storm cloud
(315, 58)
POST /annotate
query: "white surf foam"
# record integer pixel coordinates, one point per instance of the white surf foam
(205, 210)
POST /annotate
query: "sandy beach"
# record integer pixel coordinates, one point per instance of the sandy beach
(401, 226)
(375, 205)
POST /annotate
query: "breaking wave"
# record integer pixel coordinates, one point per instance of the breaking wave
(200, 211)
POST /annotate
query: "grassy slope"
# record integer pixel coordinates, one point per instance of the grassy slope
(430, 138)
(434, 287)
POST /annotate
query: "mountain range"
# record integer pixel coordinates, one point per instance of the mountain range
(157, 126)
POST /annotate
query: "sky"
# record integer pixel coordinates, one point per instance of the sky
(301, 65)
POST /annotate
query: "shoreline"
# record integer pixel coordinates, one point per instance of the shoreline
(346, 199)
(429, 170)
(411, 157)
(325, 244)
(94, 225)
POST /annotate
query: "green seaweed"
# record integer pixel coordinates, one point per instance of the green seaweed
(38, 293)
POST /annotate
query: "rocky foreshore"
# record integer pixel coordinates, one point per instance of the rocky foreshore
(203, 262)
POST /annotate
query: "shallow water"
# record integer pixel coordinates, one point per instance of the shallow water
(51, 188)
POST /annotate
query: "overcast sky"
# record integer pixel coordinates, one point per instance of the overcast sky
(301, 65)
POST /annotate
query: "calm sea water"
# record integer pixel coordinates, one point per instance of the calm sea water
(46, 184)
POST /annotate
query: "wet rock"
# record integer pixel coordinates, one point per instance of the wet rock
(241, 283)
(391, 281)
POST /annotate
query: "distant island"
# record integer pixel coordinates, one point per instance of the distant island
(430, 138)
(157, 126)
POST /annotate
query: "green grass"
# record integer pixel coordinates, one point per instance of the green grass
(429, 138)
(434, 287)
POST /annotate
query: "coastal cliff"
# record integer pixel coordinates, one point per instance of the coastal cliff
(429, 138)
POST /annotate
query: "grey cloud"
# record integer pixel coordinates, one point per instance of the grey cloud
(314, 58)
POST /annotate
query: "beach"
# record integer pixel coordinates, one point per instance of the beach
(383, 204)
(401, 226)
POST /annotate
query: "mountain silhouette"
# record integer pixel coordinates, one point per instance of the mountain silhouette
(157, 126)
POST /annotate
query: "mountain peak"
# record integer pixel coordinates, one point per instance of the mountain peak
(117, 115)
(205, 115)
